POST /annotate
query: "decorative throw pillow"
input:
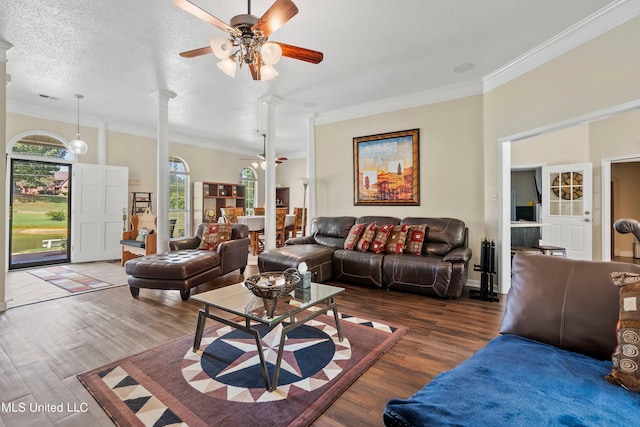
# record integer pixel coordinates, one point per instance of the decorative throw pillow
(353, 236)
(380, 240)
(626, 357)
(415, 239)
(367, 237)
(213, 234)
(395, 242)
(142, 234)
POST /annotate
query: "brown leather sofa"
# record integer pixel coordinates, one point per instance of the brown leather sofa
(186, 267)
(441, 270)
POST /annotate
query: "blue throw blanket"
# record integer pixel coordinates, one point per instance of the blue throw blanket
(516, 381)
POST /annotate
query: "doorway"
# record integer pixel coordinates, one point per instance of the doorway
(39, 221)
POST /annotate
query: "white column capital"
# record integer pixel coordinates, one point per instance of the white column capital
(164, 95)
(271, 99)
(4, 47)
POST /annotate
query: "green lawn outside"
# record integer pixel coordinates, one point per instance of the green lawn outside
(31, 224)
(30, 211)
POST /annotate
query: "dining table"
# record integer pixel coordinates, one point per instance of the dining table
(255, 223)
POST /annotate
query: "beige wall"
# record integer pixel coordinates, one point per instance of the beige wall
(569, 145)
(596, 75)
(450, 163)
(288, 174)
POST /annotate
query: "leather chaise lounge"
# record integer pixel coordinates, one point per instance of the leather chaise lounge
(440, 270)
(185, 266)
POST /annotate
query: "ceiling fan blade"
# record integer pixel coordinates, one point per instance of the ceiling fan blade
(295, 52)
(276, 16)
(187, 6)
(196, 52)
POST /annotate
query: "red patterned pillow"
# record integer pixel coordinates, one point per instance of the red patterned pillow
(395, 242)
(415, 239)
(382, 234)
(354, 235)
(367, 237)
(213, 234)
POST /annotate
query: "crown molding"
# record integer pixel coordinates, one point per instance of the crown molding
(595, 25)
(609, 17)
(17, 107)
(431, 96)
(4, 47)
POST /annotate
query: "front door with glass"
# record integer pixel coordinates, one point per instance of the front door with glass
(40, 207)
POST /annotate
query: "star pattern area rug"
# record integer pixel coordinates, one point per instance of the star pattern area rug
(222, 384)
(69, 280)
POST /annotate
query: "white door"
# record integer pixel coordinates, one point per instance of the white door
(567, 192)
(99, 204)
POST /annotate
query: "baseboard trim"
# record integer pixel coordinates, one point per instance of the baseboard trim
(475, 284)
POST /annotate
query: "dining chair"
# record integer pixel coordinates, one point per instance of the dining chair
(229, 214)
(281, 232)
(298, 226)
(258, 211)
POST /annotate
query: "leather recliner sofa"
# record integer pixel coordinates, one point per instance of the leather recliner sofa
(441, 269)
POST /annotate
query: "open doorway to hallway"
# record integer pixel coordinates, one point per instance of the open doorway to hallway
(625, 203)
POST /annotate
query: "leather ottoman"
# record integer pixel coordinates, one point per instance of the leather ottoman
(317, 257)
(181, 270)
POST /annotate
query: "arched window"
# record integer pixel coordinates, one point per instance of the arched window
(38, 145)
(179, 196)
(249, 179)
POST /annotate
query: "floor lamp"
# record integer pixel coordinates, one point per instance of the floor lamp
(305, 183)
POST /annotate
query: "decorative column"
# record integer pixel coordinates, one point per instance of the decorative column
(102, 143)
(311, 170)
(270, 173)
(162, 197)
(4, 47)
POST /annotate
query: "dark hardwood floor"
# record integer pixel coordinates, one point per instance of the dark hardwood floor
(44, 346)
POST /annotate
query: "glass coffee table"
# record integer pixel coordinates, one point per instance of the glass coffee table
(240, 301)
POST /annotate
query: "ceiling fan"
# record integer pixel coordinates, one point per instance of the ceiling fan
(248, 43)
(262, 157)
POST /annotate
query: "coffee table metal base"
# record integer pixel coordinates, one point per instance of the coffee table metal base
(270, 384)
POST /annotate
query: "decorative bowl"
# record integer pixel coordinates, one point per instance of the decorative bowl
(273, 284)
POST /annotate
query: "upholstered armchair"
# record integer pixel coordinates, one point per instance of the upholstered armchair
(234, 253)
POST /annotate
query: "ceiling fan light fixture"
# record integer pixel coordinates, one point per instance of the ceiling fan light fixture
(267, 72)
(221, 47)
(271, 53)
(228, 66)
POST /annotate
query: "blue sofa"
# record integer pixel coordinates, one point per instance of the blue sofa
(548, 366)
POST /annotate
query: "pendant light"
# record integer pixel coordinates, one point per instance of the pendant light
(78, 146)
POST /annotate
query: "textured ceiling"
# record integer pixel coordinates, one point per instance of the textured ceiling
(118, 52)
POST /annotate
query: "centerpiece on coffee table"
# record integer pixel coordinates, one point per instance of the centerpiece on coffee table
(271, 285)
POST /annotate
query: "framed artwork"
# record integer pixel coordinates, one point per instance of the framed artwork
(386, 169)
